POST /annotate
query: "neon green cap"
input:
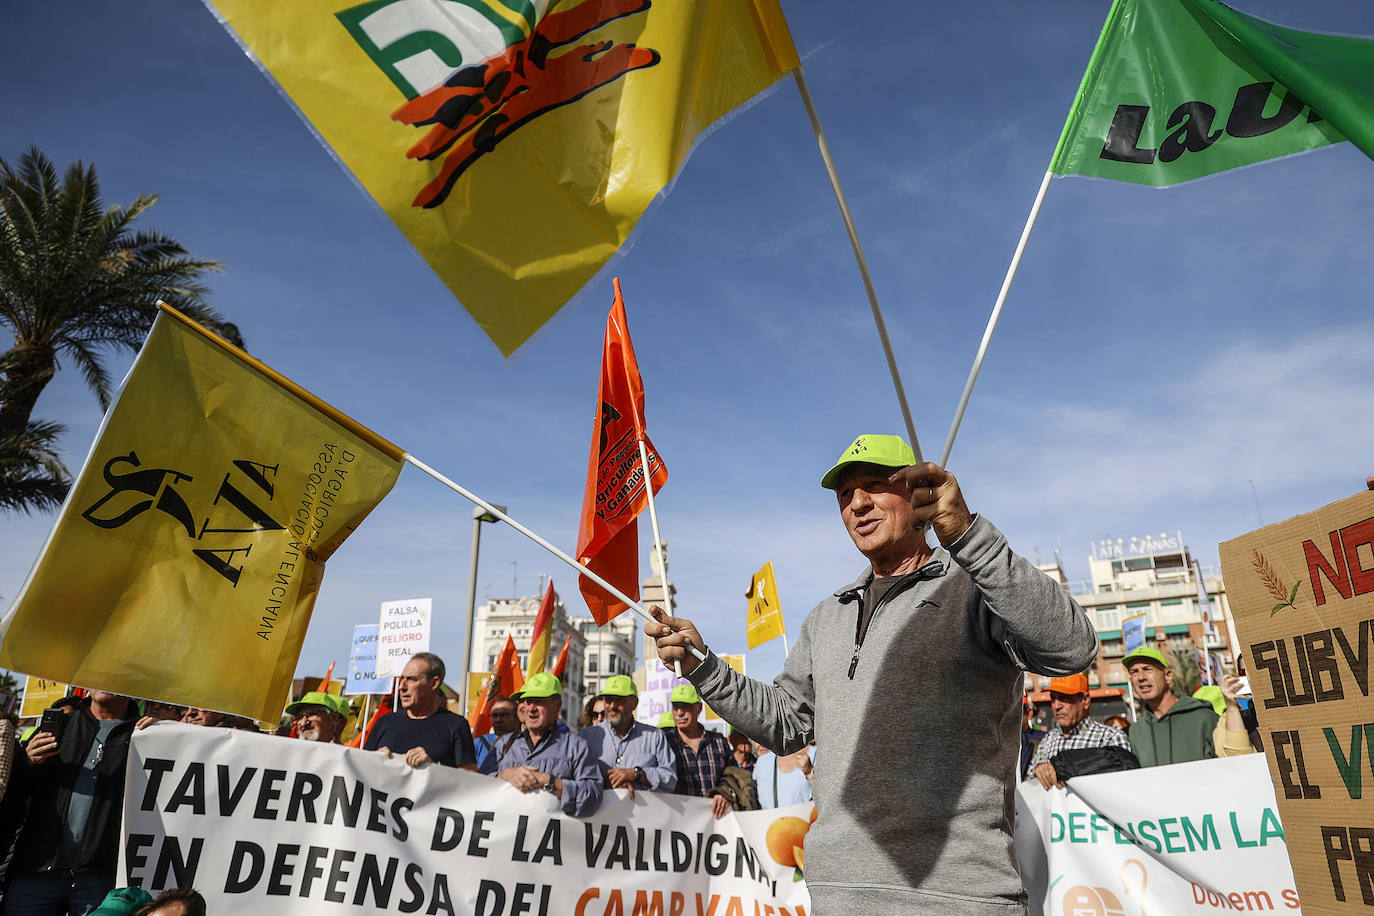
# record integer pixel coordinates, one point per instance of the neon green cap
(341, 706)
(1146, 653)
(884, 451)
(541, 686)
(684, 693)
(1211, 693)
(313, 698)
(619, 685)
(666, 720)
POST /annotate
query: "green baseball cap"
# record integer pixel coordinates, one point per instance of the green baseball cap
(123, 901)
(540, 686)
(341, 706)
(884, 451)
(619, 685)
(313, 698)
(684, 693)
(1146, 653)
(1211, 693)
(666, 720)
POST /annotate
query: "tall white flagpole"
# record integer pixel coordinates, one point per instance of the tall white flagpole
(992, 320)
(859, 257)
(658, 541)
(498, 513)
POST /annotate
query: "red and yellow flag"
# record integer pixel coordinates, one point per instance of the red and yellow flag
(515, 144)
(542, 635)
(505, 679)
(608, 536)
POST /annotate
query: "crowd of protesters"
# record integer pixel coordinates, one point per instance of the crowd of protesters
(1169, 729)
(62, 779)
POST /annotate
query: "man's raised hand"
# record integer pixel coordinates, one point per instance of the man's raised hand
(673, 635)
(936, 500)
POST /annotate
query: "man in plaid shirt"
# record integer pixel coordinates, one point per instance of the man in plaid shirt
(702, 754)
(1073, 729)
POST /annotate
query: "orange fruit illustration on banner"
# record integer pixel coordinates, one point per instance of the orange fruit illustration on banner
(784, 840)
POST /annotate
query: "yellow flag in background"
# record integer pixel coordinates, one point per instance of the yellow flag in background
(515, 142)
(764, 621)
(185, 563)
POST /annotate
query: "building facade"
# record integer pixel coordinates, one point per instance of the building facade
(501, 617)
(1156, 576)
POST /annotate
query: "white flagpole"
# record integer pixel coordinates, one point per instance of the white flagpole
(785, 651)
(859, 257)
(658, 541)
(992, 321)
(498, 513)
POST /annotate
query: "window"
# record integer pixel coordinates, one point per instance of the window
(491, 662)
(591, 663)
(1108, 618)
(1113, 647)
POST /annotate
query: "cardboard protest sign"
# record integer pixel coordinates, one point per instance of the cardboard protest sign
(1302, 592)
(321, 830)
(402, 633)
(1193, 837)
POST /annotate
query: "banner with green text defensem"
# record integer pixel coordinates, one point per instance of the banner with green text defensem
(1200, 837)
(264, 824)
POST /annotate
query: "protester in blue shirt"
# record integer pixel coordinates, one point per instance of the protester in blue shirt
(424, 731)
(503, 722)
(630, 754)
(545, 758)
(783, 781)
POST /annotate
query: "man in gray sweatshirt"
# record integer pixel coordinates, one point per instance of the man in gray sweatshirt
(917, 729)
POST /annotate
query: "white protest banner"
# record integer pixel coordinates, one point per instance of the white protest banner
(1187, 838)
(402, 632)
(362, 663)
(261, 824)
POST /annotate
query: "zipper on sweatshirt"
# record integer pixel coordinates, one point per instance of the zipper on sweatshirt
(915, 576)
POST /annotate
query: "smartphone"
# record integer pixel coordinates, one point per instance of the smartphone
(1244, 689)
(53, 722)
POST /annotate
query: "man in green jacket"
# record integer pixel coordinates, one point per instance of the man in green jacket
(1171, 729)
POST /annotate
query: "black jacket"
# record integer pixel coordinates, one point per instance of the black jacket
(50, 793)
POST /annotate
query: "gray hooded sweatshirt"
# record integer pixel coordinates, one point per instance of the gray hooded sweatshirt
(917, 730)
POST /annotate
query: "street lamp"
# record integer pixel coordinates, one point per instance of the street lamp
(479, 515)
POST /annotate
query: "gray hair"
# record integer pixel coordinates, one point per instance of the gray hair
(434, 663)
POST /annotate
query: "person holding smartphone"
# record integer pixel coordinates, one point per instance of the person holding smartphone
(74, 767)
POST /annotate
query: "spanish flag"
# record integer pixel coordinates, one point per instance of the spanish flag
(515, 144)
(608, 535)
(542, 635)
(186, 560)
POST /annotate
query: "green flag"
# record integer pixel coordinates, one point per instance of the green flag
(1179, 89)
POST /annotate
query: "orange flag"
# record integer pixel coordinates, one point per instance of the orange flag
(542, 636)
(505, 679)
(608, 537)
(561, 666)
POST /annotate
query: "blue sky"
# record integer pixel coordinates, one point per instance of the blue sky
(1159, 351)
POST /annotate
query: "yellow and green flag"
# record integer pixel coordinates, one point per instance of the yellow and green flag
(185, 563)
(764, 620)
(515, 143)
(1179, 89)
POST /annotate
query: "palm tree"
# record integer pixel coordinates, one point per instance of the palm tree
(32, 476)
(76, 279)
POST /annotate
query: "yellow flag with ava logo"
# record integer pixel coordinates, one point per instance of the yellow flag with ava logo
(186, 560)
(515, 143)
(764, 620)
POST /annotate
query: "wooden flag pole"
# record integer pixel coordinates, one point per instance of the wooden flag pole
(992, 320)
(498, 513)
(658, 541)
(859, 257)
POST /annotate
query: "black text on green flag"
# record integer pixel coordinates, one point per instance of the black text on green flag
(1179, 89)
